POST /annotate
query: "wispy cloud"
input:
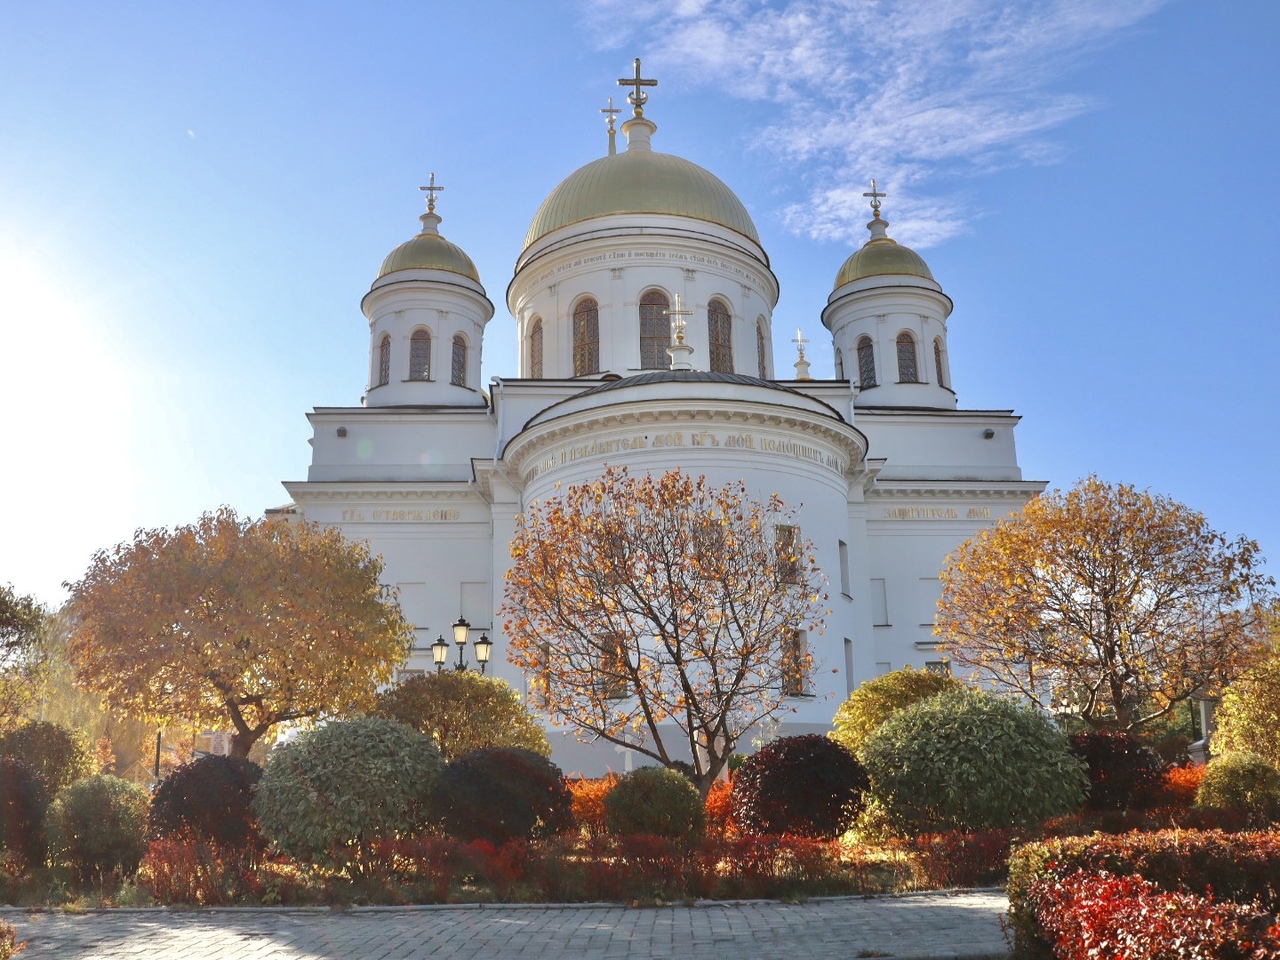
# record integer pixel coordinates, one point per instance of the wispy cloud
(918, 93)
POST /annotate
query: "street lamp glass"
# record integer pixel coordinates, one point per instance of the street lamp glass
(440, 650)
(460, 628)
(483, 647)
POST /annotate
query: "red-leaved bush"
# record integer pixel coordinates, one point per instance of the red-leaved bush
(588, 802)
(1087, 915)
(951, 860)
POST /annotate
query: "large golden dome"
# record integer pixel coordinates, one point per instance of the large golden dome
(881, 256)
(641, 181)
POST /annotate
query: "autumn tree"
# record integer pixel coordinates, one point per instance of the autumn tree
(22, 659)
(1249, 719)
(464, 711)
(1106, 602)
(234, 622)
(662, 614)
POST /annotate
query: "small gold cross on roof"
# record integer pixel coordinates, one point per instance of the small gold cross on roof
(800, 340)
(431, 192)
(875, 199)
(638, 98)
(610, 110)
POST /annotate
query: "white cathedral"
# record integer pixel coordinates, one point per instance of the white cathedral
(643, 303)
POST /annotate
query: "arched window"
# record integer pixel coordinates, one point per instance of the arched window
(458, 376)
(655, 331)
(720, 336)
(420, 355)
(839, 364)
(866, 363)
(760, 344)
(384, 360)
(535, 349)
(907, 371)
(937, 360)
(586, 337)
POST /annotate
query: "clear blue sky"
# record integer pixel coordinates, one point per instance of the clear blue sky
(194, 198)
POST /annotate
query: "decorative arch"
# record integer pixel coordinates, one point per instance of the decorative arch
(866, 362)
(535, 349)
(655, 330)
(938, 365)
(384, 360)
(586, 337)
(458, 369)
(761, 353)
(908, 366)
(420, 355)
(720, 336)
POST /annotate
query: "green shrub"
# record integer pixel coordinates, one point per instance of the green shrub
(59, 755)
(969, 760)
(808, 786)
(24, 798)
(657, 801)
(209, 799)
(876, 700)
(502, 794)
(329, 795)
(1242, 781)
(98, 826)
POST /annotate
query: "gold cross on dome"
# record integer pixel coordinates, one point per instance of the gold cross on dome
(677, 316)
(431, 192)
(609, 111)
(875, 198)
(638, 98)
(801, 339)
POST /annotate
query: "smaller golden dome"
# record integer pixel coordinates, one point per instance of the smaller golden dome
(881, 256)
(429, 251)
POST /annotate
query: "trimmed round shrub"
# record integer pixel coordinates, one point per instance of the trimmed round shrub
(1243, 781)
(329, 795)
(655, 800)
(98, 826)
(504, 793)
(969, 760)
(1120, 769)
(810, 786)
(59, 755)
(24, 798)
(876, 700)
(209, 799)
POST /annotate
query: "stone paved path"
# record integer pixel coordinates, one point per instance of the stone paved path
(913, 925)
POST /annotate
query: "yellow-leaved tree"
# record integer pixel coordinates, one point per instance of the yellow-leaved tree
(230, 622)
(646, 608)
(1106, 602)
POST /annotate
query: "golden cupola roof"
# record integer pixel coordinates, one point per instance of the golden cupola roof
(428, 250)
(881, 256)
(638, 180)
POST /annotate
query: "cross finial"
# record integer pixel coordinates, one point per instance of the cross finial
(431, 192)
(638, 97)
(610, 110)
(677, 316)
(875, 199)
(800, 341)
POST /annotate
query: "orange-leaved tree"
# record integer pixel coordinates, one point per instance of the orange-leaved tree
(655, 609)
(1106, 601)
(236, 622)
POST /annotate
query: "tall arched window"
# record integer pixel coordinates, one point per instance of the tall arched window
(839, 364)
(866, 363)
(655, 331)
(458, 375)
(720, 336)
(937, 361)
(586, 337)
(760, 344)
(535, 349)
(384, 360)
(907, 370)
(420, 355)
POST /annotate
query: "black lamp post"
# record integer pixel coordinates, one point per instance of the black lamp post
(461, 627)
